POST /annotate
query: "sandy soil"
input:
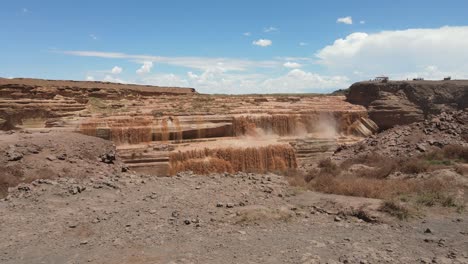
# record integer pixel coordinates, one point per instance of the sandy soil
(243, 218)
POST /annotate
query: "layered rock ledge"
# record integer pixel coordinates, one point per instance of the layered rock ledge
(404, 102)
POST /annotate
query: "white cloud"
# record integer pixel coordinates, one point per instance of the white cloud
(94, 37)
(89, 78)
(270, 29)
(200, 63)
(399, 53)
(217, 81)
(116, 70)
(24, 10)
(145, 68)
(292, 65)
(301, 81)
(302, 44)
(247, 34)
(362, 22)
(345, 20)
(263, 42)
(109, 78)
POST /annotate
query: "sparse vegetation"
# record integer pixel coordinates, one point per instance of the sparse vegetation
(368, 176)
(396, 209)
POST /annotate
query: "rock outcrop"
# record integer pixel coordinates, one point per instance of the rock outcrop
(448, 128)
(404, 102)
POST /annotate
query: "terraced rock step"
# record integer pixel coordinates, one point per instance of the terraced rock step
(151, 126)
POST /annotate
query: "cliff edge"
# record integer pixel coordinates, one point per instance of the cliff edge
(404, 102)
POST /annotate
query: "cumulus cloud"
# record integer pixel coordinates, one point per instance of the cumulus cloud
(109, 78)
(401, 52)
(262, 42)
(345, 20)
(116, 70)
(89, 78)
(145, 68)
(293, 65)
(302, 81)
(218, 81)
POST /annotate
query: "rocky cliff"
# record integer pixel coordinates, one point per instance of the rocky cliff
(22, 99)
(404, 102)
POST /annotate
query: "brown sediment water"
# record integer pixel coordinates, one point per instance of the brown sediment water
(120, 130)
(89, 128)
(200, 131)
(164, 130)
(178, 134)
(131, 130)
(282, 125)
(298, 124)
(251, 159)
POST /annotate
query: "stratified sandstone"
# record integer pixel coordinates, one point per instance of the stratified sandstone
(150, 124)
(28, 99)
(404, 102)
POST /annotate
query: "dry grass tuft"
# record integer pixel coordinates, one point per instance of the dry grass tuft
(327, 166)
(395, 209)
(352, 185)
(372, 180)
(456, 152)
(414, 166)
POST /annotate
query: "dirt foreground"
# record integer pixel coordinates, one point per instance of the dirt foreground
(242, 218)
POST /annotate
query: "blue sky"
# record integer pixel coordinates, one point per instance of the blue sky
(236, 46)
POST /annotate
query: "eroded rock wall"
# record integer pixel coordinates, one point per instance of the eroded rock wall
(404, 102)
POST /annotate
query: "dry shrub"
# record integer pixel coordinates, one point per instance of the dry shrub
(456, 152)
(462, 169)
(327, 166)
(414, 166)
(448, 153)
(296, 177)
(359, 186)
(11, 176)
(351, 185)
(381, 172)
(395, 209)
(369, 159)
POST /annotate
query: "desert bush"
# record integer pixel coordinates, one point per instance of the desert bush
(295, 177)
(380, 172)
(359, 186)
(327, 166)
(8, 179)
(396, 209)
(414, 166)
(456, 152)
(461, 169)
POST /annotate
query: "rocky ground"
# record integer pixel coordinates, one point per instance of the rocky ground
(221, 218)
(448, 128)
(27, 156)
